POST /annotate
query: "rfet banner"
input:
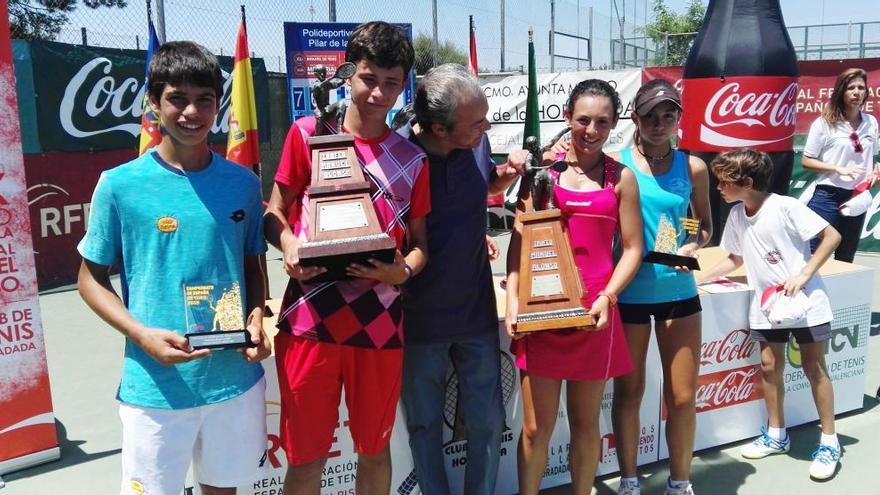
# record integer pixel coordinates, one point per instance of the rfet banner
(310, 44)
(27, 423)
(815, 86)
(89, 98)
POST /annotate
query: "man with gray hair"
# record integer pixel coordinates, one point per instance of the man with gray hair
(449, 308)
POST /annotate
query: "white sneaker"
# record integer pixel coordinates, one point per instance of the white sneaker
(629, 487)
(687, 490)
(765, 445)
(824, 462)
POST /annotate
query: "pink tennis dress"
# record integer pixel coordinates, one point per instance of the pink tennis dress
(590, 219)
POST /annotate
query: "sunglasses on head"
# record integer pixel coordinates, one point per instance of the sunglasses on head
(857, 143)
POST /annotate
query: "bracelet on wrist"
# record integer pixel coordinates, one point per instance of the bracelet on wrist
(612, 298)
(409, 272)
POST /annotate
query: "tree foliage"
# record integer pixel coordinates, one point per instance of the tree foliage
(446, 53)
(669, 31)
(43, 19)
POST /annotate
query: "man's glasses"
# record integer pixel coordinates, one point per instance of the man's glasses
(857, 144)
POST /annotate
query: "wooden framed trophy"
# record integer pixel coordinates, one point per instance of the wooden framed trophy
(550, 288)
(343, 226)
(214, 316)
(670, 238)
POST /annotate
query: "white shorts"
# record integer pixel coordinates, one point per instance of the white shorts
(226, 443)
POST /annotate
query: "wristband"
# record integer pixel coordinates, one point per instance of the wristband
(409, 272)
(612, 299)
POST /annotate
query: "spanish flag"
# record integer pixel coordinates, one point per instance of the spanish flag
(243, 146)
(151, 134)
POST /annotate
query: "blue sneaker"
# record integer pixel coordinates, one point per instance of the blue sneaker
(765, 445)
(824, 462)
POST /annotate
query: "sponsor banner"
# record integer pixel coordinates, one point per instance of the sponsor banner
(90, 97)
(507, 106)
(27, 422)
(736, 112)
(59, 194)
(729, 395)
(312, 44)
(729, 400)
(815, 86)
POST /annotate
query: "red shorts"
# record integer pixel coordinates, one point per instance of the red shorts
(311, 375)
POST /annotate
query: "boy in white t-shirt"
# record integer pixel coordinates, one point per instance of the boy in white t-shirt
(771, 235)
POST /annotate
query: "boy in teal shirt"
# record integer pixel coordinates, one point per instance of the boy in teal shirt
(179, 216)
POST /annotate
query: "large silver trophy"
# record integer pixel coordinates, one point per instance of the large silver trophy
(329, 116)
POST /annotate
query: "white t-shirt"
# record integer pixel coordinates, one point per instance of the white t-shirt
(833, 145)
(775, 244)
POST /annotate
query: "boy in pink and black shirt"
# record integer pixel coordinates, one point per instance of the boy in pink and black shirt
(349, 333)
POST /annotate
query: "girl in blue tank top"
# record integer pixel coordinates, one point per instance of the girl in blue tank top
(669, 182)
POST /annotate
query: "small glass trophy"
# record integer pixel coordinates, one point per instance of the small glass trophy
(669, 240)
(214, 316)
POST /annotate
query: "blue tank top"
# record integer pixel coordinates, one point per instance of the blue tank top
(668, 194)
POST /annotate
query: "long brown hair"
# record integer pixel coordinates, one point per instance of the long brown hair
(835, 109)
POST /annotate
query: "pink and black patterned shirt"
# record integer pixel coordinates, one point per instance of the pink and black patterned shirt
(360, 313)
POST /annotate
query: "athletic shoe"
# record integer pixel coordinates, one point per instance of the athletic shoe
(824, 462)
(686, 490)
(765, 445)
(628, 487)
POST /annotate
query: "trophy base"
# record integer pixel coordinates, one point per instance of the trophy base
(221, 340)
(672, 260)
(337, 254)
(552, 320)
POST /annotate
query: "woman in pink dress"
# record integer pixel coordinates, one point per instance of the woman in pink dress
(598, 198)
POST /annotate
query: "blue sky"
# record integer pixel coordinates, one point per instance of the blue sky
(214, 23)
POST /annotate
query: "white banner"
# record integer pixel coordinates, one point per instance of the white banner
(729, 399)
(507, 106)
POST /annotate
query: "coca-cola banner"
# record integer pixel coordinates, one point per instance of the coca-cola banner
(815, 85)
(729, 394)
(89, 98)
(507, 106)
(737, 112)
(27, 422)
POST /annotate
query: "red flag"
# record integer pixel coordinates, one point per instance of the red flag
(472, 59)
(243, 146)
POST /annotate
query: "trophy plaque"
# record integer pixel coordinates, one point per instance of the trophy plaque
(669, 239)
(214, 316)
(550, 287)
(343, 227)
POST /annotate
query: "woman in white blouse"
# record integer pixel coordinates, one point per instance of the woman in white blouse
(840, 148)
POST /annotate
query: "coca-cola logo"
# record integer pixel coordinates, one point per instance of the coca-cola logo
(95, 90)
(735, 346)
(727, 388)
(730, 105)
(735, 112)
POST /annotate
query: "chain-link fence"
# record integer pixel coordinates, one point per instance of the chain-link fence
(583, 28)
(587, 33)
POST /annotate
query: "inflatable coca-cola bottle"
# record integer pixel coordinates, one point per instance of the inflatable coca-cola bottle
(740, 90)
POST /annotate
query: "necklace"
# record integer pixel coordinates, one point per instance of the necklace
(653, 159)
(582, 174)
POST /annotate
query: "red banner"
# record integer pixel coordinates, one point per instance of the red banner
(815, 86)
(27, 423)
